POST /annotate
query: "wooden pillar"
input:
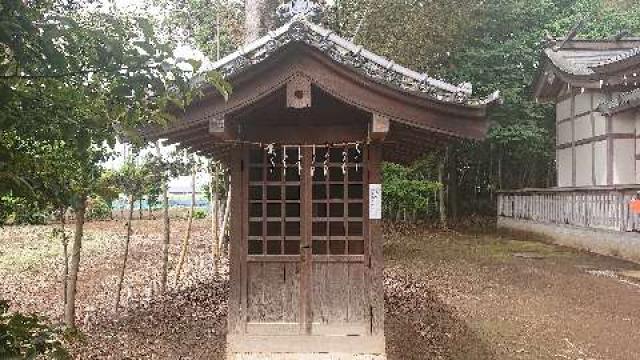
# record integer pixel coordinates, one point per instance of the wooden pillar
(376, 262)
(592, 120)
(610, 153)
(260, 17)
(573, 137)
(237, 245)
(306, 188)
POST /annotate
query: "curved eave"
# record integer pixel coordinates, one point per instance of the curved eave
(588, 77)
(630, 63)
(418, 121)
(477, 106)
(476, 110)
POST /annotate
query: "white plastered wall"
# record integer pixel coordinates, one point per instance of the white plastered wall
(564, 133)
(599, 124)
(563, 109)
(624, 161)
(600, 162)
(624, 150)
(583, 128)
(584, 162)
(638, 146)
(607, 148)
(583, 103)
(564, 164)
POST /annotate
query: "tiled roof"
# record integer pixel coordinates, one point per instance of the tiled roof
(620, 57)
(621, 102)
(343, 51)
(587, 58)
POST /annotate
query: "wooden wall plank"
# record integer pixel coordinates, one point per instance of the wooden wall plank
(255, 301)
(337, 296)
(291, 293)
(356, 311)
(273, 292)
(320, 301)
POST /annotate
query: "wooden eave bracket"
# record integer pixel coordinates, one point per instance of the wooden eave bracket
(380, 125)
(299, 92)
(219, 130)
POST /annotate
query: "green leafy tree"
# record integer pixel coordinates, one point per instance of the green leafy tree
(132, 179)
(216, 31)
(28, 337)
(408, 194)
(71, 80)
(107, 189)
(495, 45)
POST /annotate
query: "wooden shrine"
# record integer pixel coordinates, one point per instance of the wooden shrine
(310, 120)
(595, 88)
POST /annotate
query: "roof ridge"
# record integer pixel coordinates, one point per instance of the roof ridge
(381, 69)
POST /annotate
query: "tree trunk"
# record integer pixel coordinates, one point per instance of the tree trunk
(185, 243)
(260, 17)
(452, 183)
(500, 172)
(65, 254)
(213, 191)
(225, 221)
(140, 207)
(70, 307)
(442, 194)
(167, 229)
(126, 253)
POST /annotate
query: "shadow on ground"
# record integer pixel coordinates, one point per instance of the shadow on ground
(418, 325)
(191, 324)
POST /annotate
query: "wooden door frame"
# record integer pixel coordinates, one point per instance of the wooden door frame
(238, 340)
(306, 256)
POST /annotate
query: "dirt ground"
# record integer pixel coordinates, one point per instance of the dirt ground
(467, 294)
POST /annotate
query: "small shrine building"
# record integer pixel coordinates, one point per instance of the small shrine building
(595, 87)
(311, 118)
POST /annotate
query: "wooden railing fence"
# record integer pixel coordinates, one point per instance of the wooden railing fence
(594, 207)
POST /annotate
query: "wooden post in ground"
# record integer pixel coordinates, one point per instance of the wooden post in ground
(126, 252)
(167, 228)
(225, 221)
(70, 307)
(185, 243)
(213, 198)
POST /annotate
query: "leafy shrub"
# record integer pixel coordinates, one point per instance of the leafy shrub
(98, 209)
(27, 337)
(21, 211)
(199, 214)
(407, 195)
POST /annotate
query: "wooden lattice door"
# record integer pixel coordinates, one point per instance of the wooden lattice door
(306, 243)
(338, 281)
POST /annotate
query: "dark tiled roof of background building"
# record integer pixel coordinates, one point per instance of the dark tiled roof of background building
(621, 102)
(590, 57)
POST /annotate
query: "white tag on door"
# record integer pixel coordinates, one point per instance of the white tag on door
(375, 201)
